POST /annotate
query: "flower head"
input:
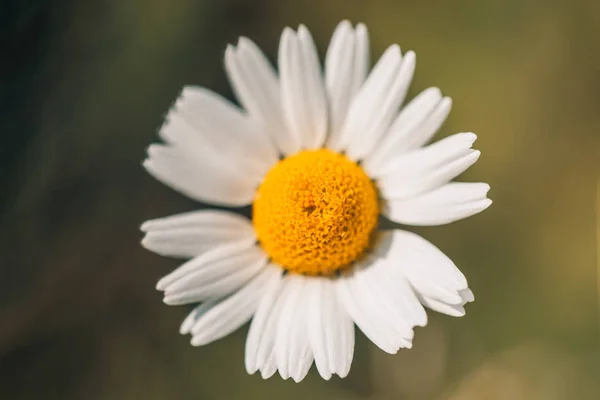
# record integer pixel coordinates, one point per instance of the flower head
(319, 156)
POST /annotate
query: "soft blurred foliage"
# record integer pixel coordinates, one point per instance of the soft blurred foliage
(86, 83)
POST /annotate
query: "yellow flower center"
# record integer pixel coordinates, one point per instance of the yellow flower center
(315, 211)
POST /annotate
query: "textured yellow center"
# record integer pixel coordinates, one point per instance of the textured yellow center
(315, 212)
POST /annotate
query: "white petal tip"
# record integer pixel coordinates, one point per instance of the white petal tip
(467, 295)
(343, 374)
(198, 341)
(395, 50)
(469, 137)
(145, 226)
(251, 370)
(161, 285)
(410, 56)
(266, 374)
(434, 91)
(287, 32)
(184, 330)
(474, 155)
(460, 311)
(345, 22)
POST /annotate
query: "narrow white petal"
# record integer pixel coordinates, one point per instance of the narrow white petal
(434, 121)
(266, 356)
(428, 270)
(362, 308)
(451, 202)
(198, 312)
(225, 253)
(231, 313)
(339, 71)
(257, 88)
(454, 310)
(319, 311)
(292, 347)
(341, 338)
(361, 57)
(387, 106)
(401, 184)
(193, 233)
(269, 367)
(366, 106)
(302, 89)
(198, 179)
(346, 65)
(222, 128)
(424, 160)
(330, 330)
(216, 279)
(395, 293)
(259, 327)
(314, 91)
(467, 296)
(402, 131)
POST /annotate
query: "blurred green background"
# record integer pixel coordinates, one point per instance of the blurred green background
(85, 86)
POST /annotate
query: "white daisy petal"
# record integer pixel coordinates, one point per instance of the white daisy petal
(366, 108)
(264, 332)
(198, 179)
(292, 348)
(451, 202)
(239, 140)
(431, 125)
(395, 290)
(259, 328)
(302, 89)
(231, 313)
(269, 367)
(454, 310)
(467, 296)
(340, 337)
(197, 312)
(193, 233)
(215, 278)
(385, 108)
(422, 176)
(404, 130)
(424, 160)
(218, 254)
(346, 65)
(319, 306)
(330, 330)
(364, 309)
(256, 86)
(428, 270)
(314, 88)
(361, 57)
(339, 68)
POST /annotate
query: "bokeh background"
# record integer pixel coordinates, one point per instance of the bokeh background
(85, 85)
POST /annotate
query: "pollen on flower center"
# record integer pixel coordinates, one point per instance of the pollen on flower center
(315, 211)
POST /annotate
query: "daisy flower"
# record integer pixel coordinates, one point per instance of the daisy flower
(320, 154)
